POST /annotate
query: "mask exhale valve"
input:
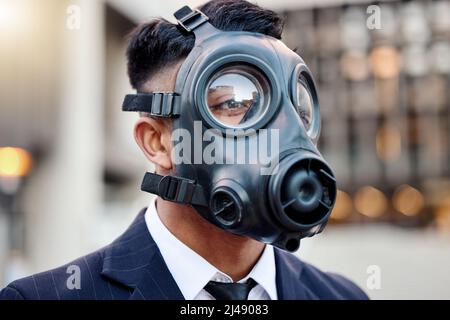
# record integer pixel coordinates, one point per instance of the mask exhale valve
(302, 193)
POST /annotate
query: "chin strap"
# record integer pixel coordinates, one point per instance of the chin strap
(175, 189)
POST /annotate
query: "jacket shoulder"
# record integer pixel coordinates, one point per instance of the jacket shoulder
(79, 279)
(326, 285)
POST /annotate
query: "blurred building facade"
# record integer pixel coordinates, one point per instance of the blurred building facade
(385, 105)
(57, 105)
(384, 96)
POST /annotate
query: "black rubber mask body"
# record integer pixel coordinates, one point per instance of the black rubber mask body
(278, 200)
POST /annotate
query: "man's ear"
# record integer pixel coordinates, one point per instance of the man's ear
(153, 137)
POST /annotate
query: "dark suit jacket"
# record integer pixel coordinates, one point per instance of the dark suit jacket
(132, 267)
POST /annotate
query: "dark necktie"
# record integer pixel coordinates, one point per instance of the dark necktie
(230, 291)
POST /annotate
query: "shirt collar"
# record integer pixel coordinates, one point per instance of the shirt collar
(264, 272)
(192, 272)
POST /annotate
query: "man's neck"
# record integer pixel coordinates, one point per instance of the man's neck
(231, 254)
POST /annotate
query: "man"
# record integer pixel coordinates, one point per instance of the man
(209, 234)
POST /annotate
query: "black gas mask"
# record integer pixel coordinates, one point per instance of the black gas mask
(246, 121)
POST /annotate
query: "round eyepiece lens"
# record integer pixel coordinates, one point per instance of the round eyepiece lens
(237, 96)
(304, 104)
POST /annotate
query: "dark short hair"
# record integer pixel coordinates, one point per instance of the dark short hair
(157, 43)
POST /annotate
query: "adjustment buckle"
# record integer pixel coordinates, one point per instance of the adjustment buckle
(190, 19)
(176, 189)
(164, 104)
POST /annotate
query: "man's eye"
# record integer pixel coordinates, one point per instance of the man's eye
(229, 104)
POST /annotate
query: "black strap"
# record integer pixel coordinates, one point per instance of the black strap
(190, 19)
(175, 189)
(158, 104)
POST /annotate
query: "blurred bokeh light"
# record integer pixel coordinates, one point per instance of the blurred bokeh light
(14, 162)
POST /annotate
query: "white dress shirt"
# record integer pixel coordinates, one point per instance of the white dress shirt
(192, 272)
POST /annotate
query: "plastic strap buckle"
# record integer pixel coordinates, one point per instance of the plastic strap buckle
(190, 19)
(176, 189)
(164, 104)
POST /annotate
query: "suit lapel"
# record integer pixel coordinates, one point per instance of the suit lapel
(134, 260)
(289, 270)
(157, 283)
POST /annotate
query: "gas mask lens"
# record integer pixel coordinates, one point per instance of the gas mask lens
(304, 104)
(237, 96)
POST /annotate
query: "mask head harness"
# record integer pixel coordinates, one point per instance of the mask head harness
(239, 90)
